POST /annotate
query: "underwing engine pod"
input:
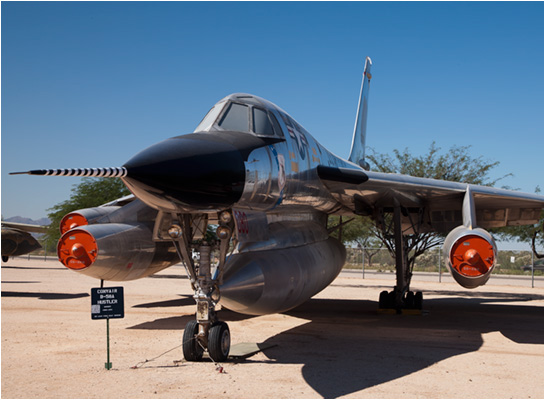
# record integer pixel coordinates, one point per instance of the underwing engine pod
(470, 255)
(114, 252)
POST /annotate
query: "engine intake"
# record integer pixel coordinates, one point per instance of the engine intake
(470, 255)
(85, 216)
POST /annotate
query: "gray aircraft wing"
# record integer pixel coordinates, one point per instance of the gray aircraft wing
(364, 192)
(17, 239)
(25, 227)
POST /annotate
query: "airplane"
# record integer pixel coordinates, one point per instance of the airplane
(267, 187)
(17, 240)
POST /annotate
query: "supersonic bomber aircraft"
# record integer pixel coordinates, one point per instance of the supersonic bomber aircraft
(267, 186)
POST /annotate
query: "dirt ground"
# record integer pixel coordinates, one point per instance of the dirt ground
(482, 343)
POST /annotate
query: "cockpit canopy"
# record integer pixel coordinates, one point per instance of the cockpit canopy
(242, 113)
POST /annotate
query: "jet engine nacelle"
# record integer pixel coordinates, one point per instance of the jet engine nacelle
(470, 255)
(84, 217)
(114, 252)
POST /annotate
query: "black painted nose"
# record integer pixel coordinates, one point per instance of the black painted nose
(191, 172)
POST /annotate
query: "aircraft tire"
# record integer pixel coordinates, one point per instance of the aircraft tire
(5, 258)
(219, 342)
(191, 348)
(409, 300)
(383, 300)
(418, 300)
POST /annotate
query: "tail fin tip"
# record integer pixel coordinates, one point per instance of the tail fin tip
(357, 152)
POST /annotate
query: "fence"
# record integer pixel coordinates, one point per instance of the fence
(509, 262)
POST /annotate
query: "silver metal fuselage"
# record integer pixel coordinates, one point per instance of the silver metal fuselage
(284, 254)
(281, 178)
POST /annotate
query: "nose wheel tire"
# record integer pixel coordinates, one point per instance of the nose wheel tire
(191, 348)
(219, 342)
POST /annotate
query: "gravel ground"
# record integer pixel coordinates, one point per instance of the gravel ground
(482, 343)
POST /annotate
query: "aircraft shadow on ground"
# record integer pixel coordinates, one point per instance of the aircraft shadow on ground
(347, 347)
(45, 296)
(179, 322)
(40, 268)
(184, 300)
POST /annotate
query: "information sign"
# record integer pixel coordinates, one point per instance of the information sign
(107, 302)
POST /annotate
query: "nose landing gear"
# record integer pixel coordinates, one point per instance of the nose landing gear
(206, 332)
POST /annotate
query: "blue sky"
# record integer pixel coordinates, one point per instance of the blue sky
(92, 84)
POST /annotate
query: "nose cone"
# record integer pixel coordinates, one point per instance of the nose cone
(191, 172)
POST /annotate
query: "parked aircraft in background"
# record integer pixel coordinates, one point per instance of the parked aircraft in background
(268, 186)
(17, 239)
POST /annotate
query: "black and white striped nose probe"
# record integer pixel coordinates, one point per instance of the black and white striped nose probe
(115, 172)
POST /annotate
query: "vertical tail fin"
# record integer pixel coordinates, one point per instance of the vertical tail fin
(357, 152)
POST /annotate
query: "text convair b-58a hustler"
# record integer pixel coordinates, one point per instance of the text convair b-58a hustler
(253, 172)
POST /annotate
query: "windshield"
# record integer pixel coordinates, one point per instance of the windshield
(227, 115)
(236, 118)
(262, 124)
(210, 118)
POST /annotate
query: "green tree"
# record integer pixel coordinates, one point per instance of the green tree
(456, 165)
(91, 192)
(360, 230)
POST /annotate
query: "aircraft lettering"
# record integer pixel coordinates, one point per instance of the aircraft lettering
(242, 222)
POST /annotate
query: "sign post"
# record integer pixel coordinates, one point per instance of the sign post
(107, 303)
(108, 364)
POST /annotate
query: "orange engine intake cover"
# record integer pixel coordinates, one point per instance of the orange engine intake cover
(77, 249)
(472, 255)
(71, 221)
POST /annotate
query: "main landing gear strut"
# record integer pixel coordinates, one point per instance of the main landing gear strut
(188, 233)
(401, 298)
